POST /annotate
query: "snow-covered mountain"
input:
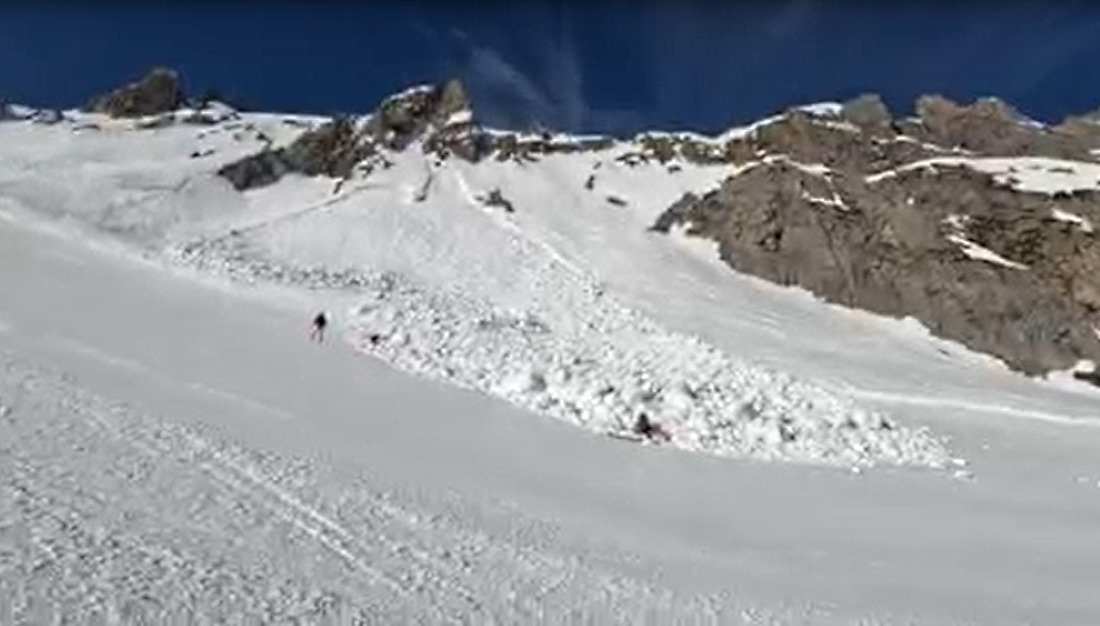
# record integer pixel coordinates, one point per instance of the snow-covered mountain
(583, 278)
(533, 266)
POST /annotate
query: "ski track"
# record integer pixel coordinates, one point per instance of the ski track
(888, 398)
(113, 515)
(339, 198)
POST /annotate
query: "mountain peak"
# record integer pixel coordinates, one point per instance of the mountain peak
(407, 115)
(159, 91)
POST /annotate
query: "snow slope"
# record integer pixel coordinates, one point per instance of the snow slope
(447, 286)
(176, 447)
(134, 394)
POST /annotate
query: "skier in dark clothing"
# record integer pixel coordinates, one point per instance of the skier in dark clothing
(317, 333)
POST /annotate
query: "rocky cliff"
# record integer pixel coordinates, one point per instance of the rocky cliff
(960, 217)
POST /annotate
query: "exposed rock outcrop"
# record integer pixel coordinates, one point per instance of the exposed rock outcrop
(406, 116)
(13, 112)
(992, 128)
(160, 91)
(975, 257)
(439, 117)
(974, 260)
(868, 111)
(333, 150)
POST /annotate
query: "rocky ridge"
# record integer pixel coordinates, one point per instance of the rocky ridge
(870, 217)
(439, 117)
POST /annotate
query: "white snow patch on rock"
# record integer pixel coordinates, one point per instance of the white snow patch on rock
(823, 109)
(1065, 216)
(847, 127)
(1029, 174)
(981, 253)
(464, 116)
(835, 201)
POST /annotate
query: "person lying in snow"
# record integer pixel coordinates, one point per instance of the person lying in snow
(645, 428)
(317, 332)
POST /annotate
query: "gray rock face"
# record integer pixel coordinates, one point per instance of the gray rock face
(331, 150)
(337, 147)
(887, 247)
(905, 244)
(867, 111)
(439, 116)
(992, 128)
(406, 116)
(158, 92)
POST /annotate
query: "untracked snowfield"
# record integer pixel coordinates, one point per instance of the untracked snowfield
(174, 450)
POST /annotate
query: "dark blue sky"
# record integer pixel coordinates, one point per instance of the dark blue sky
(582, 65)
